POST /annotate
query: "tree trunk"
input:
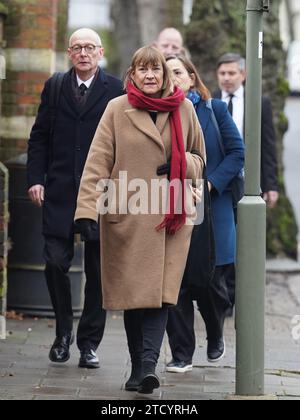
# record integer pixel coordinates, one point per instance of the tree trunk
(281, 224)
(290, 16)
(62, 35)
(127, 30)
(173, 14)
(217, 27)
(154, 16)
(138, 22)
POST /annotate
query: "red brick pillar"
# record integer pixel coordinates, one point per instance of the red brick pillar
(3, 246)
(62, 36)
(30, 34)
(3, 14)
(3, 200)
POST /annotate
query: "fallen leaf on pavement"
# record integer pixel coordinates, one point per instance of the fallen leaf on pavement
(13, 315)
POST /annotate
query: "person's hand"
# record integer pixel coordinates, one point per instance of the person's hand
(87, 228)
(271, 198)
(164, 169)
(197, 194)
(36, 195)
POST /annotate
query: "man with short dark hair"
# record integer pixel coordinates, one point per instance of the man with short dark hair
(56, 158)
(231, 73)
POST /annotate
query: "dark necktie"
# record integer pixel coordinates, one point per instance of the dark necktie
(82, 89)
(230, 104)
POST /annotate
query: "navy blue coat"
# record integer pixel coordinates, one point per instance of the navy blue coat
(73, 133)
(220, 172)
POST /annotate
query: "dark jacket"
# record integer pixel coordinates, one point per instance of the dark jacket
(220, 172)
(269, 166)
(58, 164)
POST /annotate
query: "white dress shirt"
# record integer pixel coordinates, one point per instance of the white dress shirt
(87, 83)
(238, 106)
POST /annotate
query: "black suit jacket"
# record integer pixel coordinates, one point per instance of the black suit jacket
(269, 166)
(73, 133)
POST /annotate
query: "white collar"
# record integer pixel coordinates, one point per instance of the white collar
(87, 83)
(238, 93)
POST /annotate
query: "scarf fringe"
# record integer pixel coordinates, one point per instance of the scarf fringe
(171, 225)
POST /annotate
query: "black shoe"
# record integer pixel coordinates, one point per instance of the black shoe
(229, 312)
(216, 349)
(148, 384)
(88, 359)
(135, 378)
(59, 352)
(179, 367)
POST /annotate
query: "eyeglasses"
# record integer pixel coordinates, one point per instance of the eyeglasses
(89, 48)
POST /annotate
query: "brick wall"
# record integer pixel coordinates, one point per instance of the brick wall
(3, 14)
(3, 201)
(62, 61)
(30, 32)
(3, 245)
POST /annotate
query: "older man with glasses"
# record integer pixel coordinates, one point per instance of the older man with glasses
(58, 147)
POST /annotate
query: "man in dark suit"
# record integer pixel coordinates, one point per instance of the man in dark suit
(231, 73)
(56, 158)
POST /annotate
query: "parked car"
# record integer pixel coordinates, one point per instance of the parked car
(293, 67)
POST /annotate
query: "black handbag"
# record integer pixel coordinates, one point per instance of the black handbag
(201, 261)
(237, 187)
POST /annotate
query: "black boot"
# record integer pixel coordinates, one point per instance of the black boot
(135, 378)
(150, 380)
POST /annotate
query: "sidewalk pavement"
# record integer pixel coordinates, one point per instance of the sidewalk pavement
(26, 373)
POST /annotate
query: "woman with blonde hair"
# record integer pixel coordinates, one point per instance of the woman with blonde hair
(153, 134)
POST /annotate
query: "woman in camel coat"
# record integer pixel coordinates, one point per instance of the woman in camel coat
(143, 256)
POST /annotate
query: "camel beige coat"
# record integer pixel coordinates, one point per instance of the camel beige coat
(140, 267)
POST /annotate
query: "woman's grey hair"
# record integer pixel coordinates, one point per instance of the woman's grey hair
(232, 58)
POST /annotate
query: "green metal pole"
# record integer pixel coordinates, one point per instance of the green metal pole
(251, 254)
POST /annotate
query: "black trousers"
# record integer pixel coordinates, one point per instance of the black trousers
(58, 255)
(230, 282)
(145, 329)
(212, 305)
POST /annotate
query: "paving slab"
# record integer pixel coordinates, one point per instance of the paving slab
(27, 373)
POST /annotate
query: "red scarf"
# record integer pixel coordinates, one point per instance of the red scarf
(173, 221)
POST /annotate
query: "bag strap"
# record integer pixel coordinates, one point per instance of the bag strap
(54, 97)
(209, 104)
